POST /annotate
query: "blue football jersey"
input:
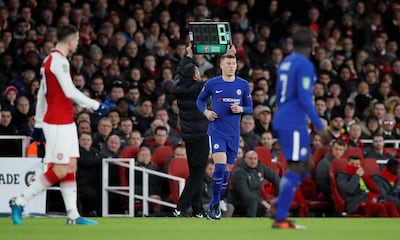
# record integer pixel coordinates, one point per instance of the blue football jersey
(223, 95)
(294, 90)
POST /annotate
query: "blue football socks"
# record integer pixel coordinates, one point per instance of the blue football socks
(288, 187)
(225, 182)
(217, 180)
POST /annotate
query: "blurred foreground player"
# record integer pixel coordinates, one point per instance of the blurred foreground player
(55, 115)
(296, 78)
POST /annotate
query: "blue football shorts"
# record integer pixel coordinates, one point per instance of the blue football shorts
(226, 144)
(295, 143)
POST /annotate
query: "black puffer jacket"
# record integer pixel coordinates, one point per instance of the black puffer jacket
(193, 123)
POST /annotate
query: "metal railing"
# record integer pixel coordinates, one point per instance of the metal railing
(129, 191)
(24, 141)
(395, 142)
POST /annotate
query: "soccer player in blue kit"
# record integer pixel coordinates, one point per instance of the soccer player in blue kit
(230, 97)
(295, 81)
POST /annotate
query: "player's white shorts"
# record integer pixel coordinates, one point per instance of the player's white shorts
(61, 143)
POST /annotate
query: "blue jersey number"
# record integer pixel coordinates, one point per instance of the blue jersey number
(284, 79)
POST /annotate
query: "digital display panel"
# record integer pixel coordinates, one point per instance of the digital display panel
(209, 37)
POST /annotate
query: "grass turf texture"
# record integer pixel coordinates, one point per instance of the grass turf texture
(193, 228)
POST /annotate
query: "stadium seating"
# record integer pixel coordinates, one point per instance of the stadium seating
(370, 166)
(160, 156)
(128, 152)
(353, 151)
(264, 155)
(178, 167)
(392, 151)
(319, 154)
(338, 200)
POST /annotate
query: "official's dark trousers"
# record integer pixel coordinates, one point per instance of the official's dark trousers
(197, 154)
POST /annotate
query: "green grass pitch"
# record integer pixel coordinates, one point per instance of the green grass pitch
(193, 228)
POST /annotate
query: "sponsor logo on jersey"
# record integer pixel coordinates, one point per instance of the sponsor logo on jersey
(216, 146)
(65, 68)
(303, 151)
(219, 91)
(60, 156)
(231, 100)
(306, 82)
(238, 92)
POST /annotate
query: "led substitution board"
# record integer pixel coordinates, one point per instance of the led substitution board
(209, 37)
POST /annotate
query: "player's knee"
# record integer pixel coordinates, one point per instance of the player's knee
(60, 171)
(296, 167)
(229, 167)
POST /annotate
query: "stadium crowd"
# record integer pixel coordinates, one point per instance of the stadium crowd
(128, 54)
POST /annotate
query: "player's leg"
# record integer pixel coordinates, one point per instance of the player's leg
(231, 153)
(218, 147)
(46, 180)
(68, 154)
(17, 204)
(295, 145)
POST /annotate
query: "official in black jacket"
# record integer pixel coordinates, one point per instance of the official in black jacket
(193, 131)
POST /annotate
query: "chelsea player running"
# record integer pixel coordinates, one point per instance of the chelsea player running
(296, 78)
(230, 97)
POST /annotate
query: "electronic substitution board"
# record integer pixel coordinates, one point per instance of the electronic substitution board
(209, 37)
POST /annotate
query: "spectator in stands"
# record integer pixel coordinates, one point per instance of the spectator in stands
(379, 110)
(316, 142)
(89, 177)
(320, 106)
(350, 115)
(10, 97)
(143, 159)
(362, 99)
(397, 114)
(84, 126)
(8, 148)
(21, 83)
(388, 127)
(247, 126)
(388, 181)
(353, 139)
(160, 138)
(97, 88)
(377, 149)
(135, 139)
(104, 129)
(20, 117)
(144, 115)
(115, 118)
(124, 131)
(322, 170)
(246, 183)
(162, 114)
(116, 92)
(335, 128)
(227, 208)
(361, 193)
(370, 127)
(263, 122)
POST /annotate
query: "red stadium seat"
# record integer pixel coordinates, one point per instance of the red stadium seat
(128, 152)
(319, 154)
(178, 167)
(264, 155)
(353, 151)
(160, 156)
(338, 200)
(370, 166)
(392, 151)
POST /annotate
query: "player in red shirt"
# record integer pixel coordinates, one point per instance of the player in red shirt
(55, 119)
